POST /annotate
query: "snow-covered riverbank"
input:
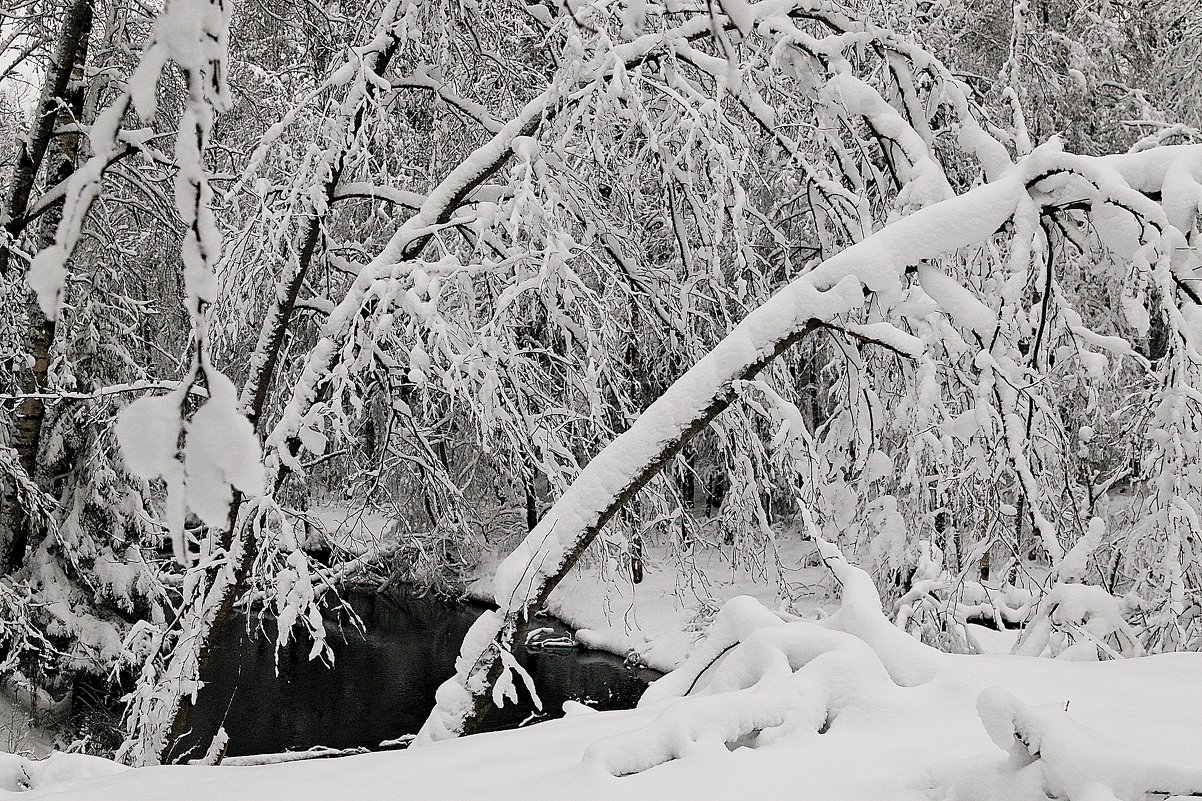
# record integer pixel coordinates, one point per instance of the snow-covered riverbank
(845, 708)
(659, 619)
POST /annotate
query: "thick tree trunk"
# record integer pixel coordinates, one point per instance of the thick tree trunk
(62, 104)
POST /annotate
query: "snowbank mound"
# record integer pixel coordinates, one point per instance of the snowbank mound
(880, 704)
(19, 774)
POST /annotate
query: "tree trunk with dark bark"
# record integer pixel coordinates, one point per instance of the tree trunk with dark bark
(61, 105)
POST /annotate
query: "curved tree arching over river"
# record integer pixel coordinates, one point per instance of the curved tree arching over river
(1040, 186)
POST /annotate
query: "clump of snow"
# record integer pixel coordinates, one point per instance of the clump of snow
(1080, 621)
(1052, 753)
(738, 619)
(220, 453)
(960, 303)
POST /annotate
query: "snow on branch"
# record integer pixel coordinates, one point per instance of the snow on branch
(220, 451)
(873, 267)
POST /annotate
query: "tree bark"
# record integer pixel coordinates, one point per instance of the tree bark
(62, 104)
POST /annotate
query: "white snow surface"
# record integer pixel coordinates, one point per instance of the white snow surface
(20, 774)
(895, 743)
(770, 706)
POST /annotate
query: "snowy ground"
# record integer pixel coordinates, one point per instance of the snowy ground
(847, 707)
(901, 743)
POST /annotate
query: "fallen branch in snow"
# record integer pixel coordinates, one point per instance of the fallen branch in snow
(756, 678)
(1075, 763)
(317, 752)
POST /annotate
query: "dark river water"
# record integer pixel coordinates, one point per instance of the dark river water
(382, 683)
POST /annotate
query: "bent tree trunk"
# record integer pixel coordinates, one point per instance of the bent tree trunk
(839, 285)
(61, 105)
(873, 267)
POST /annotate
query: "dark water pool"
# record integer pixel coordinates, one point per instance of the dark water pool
(382, 683)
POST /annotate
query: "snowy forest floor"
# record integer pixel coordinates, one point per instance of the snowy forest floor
(913, 743)
(1127, 723)
(841, 706)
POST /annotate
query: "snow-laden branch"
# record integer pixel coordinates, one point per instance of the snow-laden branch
(874, 267)
(842, 283)
(381, 277)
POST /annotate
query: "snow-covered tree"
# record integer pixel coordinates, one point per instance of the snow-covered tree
(955, 309)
